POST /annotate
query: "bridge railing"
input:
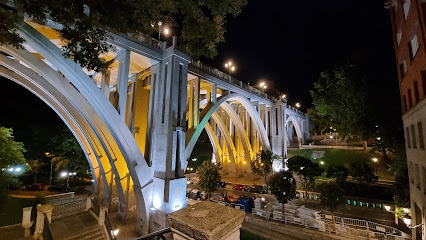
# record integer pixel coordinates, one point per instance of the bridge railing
(145, 40)
(226, 77)
(69, 207)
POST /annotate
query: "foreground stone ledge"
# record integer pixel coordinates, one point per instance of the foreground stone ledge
(206, 220)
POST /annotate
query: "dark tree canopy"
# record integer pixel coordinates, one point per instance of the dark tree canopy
(338, 172)
(341, 95)
(209, 176)
(67, 153)
(331, 195)
(283, 186)
(362, 172)
(304, 168)
(262, 165)
(86, 24)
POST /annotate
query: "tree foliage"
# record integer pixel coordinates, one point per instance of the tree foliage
(331, 195)
(208, 175)
(338, 172)
(362, 172)
(320, 123)
(11, 153)
(341, 95)
(305, 169)
(262, 165)
(67, 153)
(283, 186)
(86, 25)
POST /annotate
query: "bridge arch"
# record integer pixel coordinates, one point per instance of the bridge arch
(93, 120)
(297, 127)
(209, 110)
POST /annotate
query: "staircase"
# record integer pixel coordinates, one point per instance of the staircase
(78, 226)
(92, 234)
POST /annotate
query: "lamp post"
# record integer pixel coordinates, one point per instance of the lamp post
(68, 175)
(263, 86)
(165, 29)
(48, 154)
(375, 160)
(298, 105)
(193, 160)
(322, 164)
(229, 67)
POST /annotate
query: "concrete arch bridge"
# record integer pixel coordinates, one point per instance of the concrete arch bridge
(138, 122)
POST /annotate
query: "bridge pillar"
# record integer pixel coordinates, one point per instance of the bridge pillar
(194, 104)
(167, 142)
(277, 128)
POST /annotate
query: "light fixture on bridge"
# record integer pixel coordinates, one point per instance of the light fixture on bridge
(230, 67)
(297, 105)
(166, 31)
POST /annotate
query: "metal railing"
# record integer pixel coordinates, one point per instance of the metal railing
(159, 234)
(145, 40)
(108, 227)
(95, 207)
(70, 207)
(364, 224)
(228, 78)
(10, 219)
(60, 196)
(47, 233)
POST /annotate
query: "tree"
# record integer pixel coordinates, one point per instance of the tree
(305, 169)
(331, 197)
(362, 172)
(338, 172)
(341, 95)
(86, 25)
(35, 166)
(67, 153)
(399, 169)
(11, 154)
(320, 123)
(262, 165)
(208, 175)
(283, 186)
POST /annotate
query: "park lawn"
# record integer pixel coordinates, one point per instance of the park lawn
(344, 157)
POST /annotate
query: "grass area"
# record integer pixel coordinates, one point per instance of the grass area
(11, 209)
(344, 157)
(246, 235)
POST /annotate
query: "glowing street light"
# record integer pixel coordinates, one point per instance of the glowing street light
(297, 105)
(230, 67)
(375, 160)
(68, 175)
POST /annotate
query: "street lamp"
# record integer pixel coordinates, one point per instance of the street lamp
(229, 67)
(322, 164)
(375, 160)
(48, 154)
(68, 175)
(297, 105)
(263, 86)
(193, 160)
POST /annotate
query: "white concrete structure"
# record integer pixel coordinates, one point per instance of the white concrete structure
(139, 121)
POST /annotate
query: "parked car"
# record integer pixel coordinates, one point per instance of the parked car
(229, 199)
(240, 187)
(58, 188)
(34, 187)
(195, 194)
(221, 184)
(257, 189)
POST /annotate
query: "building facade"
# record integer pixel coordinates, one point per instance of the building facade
(409, 32)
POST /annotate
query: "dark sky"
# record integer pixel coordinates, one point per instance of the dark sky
(287, 43)
(290, 44)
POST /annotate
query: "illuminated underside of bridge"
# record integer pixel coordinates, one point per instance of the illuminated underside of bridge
(139, 121)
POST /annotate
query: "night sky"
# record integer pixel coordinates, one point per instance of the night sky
(287, 45)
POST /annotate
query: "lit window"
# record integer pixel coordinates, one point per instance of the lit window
(399, 37)
(414, 45)
(406, 7)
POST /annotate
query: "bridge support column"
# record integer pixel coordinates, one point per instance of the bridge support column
(122, 83)
(277, 131)
(167, 151)
(194, 104)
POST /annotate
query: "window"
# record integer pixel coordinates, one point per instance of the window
(424, 82)
(414, 46)
(424, 179)
(413, 133)
(406, 7)
(411, 172)
(407, 139)
(404, 103)
(410, 100)
(416, 92)
(399, 37)
(417, 176)
(421, 140)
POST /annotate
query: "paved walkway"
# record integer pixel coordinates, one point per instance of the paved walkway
(69, 226)
(274, 230)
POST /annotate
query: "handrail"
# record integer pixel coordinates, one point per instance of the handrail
(158, 234)
(108, 227)
(60, 195)
(47, 232)
(69, 207)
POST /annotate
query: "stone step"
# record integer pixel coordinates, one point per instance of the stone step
(95, 234)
